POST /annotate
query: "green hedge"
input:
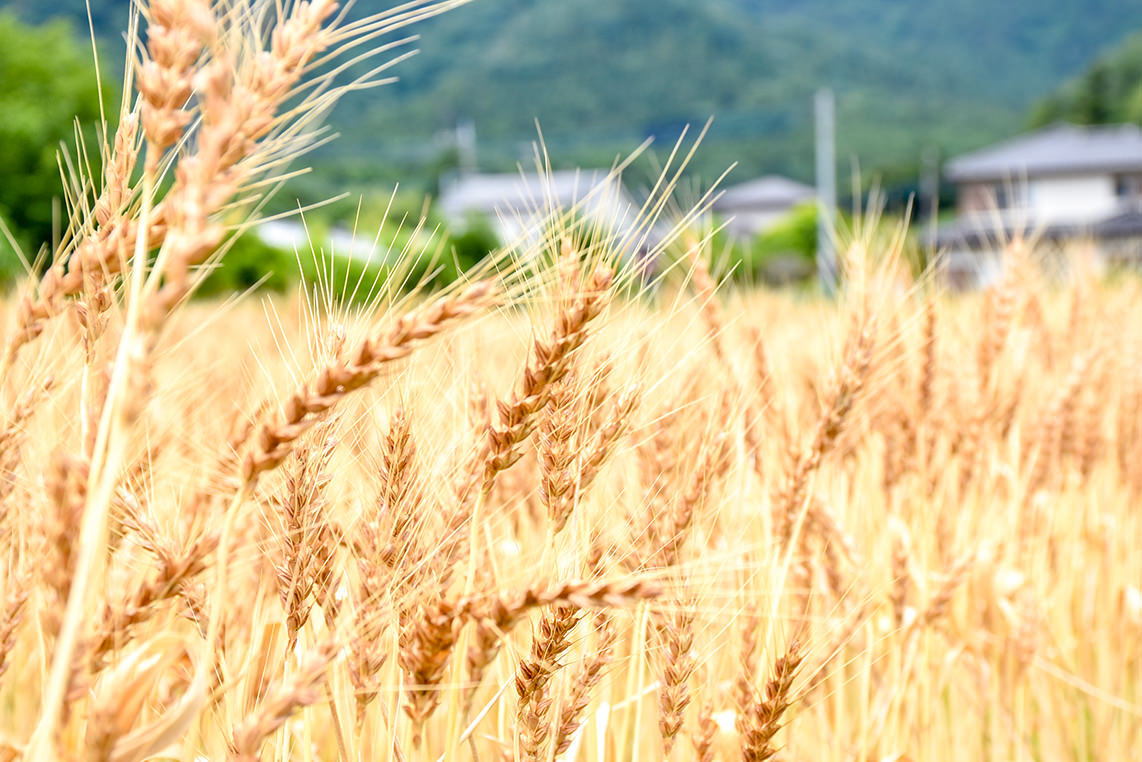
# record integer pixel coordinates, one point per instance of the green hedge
(434, 260)
(249, 263)
(793, 237)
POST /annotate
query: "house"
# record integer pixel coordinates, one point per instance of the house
(1059, 183)
(754, 206)
(291, 234)
(518, 204)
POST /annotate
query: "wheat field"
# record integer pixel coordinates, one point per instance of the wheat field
(564, 509)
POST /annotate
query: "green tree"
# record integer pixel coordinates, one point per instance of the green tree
(795, 233)
(47, 82)
(1093, 104)
(1109, 91)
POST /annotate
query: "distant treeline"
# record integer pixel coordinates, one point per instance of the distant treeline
(601, 76)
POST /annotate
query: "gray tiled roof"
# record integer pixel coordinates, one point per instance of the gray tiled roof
(515, 193)
(771, 191)
(984, 231)
(521, 202)
(1059, 149)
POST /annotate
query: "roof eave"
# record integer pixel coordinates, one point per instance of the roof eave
(1019, 174)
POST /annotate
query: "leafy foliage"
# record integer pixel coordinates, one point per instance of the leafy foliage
(47, 83)
(471, 245)
(788, 245)
(250, 263)
(427, 255)
(1109, 91)
(796, 233)
(404, 257)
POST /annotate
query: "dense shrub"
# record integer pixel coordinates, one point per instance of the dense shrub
(789, 245)
(250, 262)
(796, 234)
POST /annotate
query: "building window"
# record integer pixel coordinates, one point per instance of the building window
(1008, 196)
(1002, 197)
(1128, 187)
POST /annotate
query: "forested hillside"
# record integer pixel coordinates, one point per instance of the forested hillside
(601, 75)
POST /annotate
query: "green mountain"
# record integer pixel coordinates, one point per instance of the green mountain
(1109, 91)
(602, 75)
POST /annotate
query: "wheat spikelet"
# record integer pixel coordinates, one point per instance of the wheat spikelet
(367, 362)
(430, 633)
(764, 718)
(12, 437)
(586, 680)
(551, 362)
(1057, 422)
(939, 603)
(499, 446)
(675, 634)
(11, 614)
(705, 733)
(847, 385)
(557, 457)
(176, 568)
(549, 644)
(304, 566)
(293, 694)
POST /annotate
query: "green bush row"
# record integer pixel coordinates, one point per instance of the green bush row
(440, 258)
(430, 261)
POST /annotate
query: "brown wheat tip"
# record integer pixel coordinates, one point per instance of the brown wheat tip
(767, 712)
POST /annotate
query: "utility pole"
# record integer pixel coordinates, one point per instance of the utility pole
(929, 208)
(824, 109)
(930, 182)
(465, 136)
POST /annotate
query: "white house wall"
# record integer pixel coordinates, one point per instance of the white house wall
(1071, 199)
(517, 206)
(751, 222)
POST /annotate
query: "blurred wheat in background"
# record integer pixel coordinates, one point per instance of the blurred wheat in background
(567, 508)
